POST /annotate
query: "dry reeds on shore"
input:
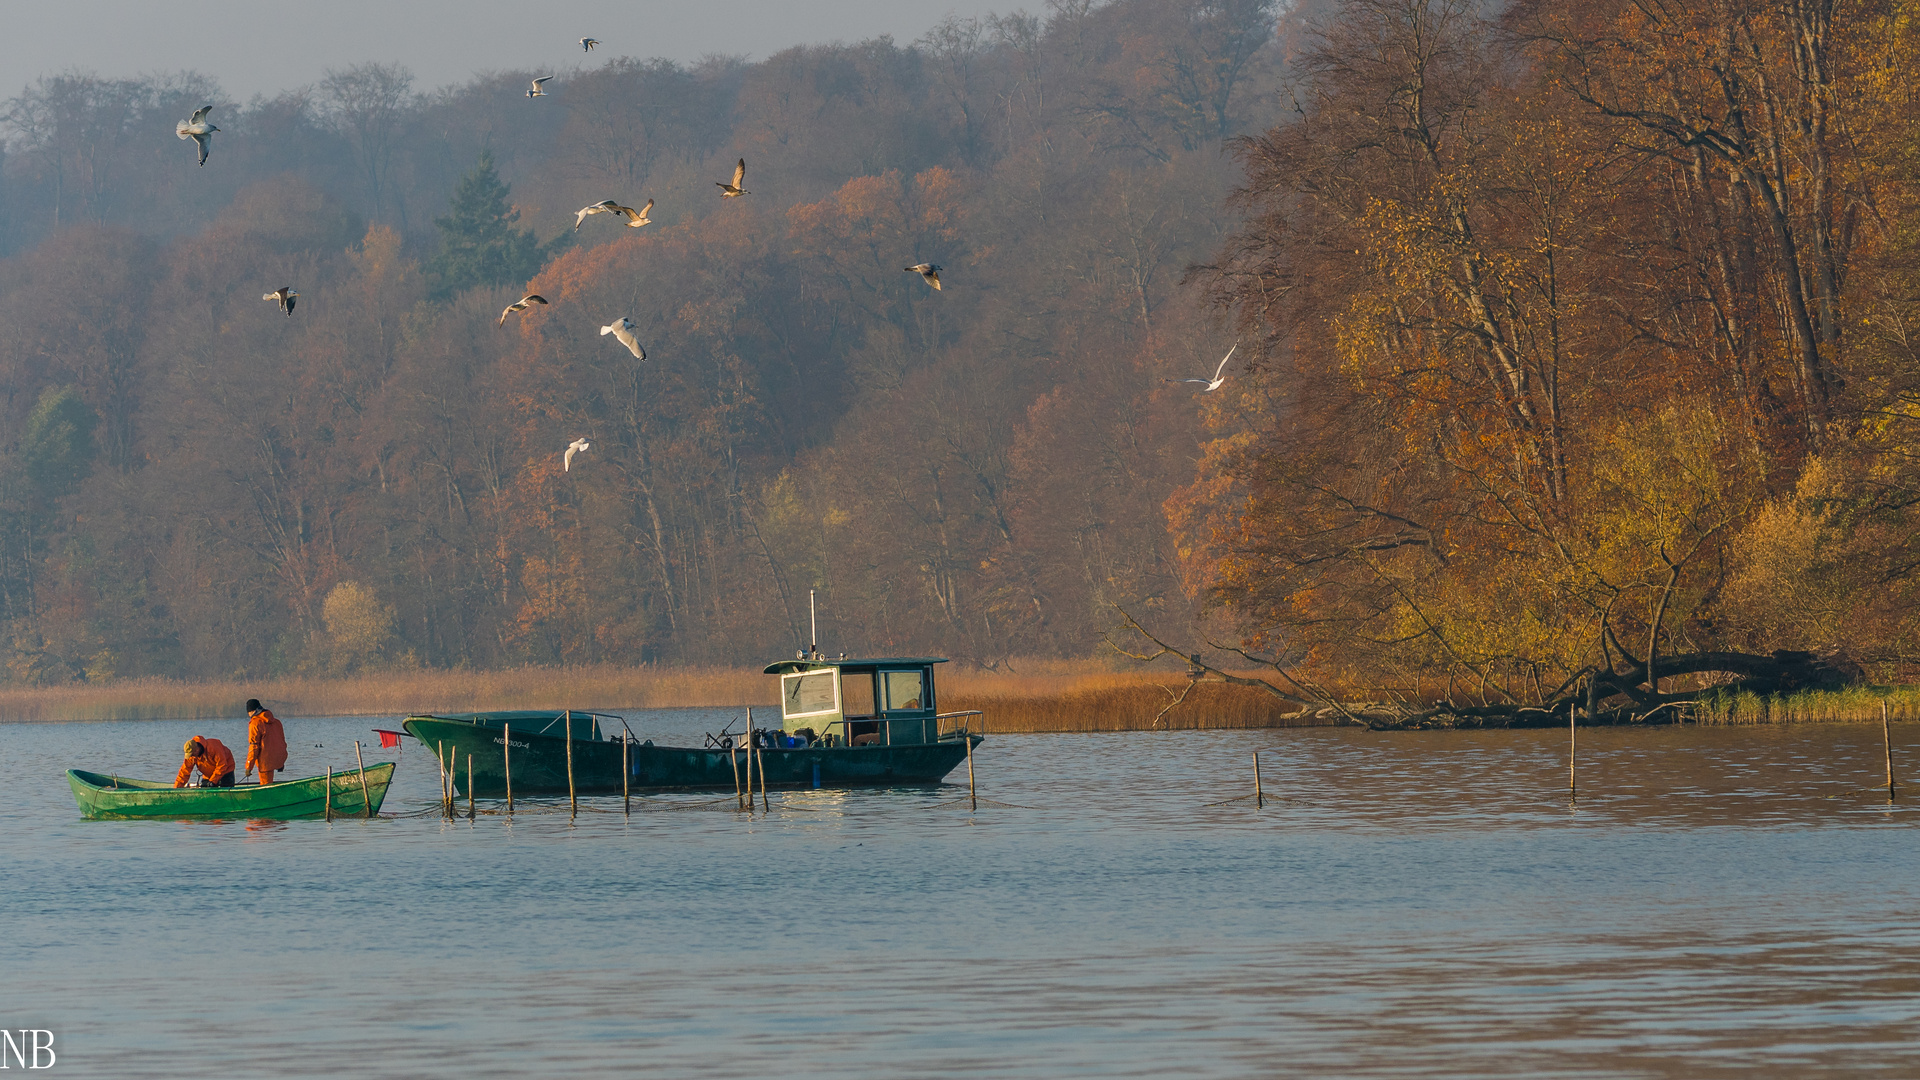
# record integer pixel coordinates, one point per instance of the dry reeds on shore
(1110, 701)
(1053, 698)
(1856, 704)
(604, 686)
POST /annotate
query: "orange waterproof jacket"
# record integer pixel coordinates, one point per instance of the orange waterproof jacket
(215, 761)
(266, 742)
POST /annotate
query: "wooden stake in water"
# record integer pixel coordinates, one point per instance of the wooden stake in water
(440, 761)
(1259, 797)
(329, 802)
(1571, 746)
(733, 759)
(746, 752)
(366, 800)
(626, 785)
(763, 775)
(506, 762)
(573, 799)
(469, 787)
(973, 796)
(1886, 737)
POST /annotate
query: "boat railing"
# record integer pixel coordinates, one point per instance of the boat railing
(961, 728)
(943, 730)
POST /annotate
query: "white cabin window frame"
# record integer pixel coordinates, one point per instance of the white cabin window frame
(833, 677)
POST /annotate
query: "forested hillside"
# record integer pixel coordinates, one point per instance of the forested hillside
(1588, 350)
(194, 483)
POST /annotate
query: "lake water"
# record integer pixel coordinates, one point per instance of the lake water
(1719, 902)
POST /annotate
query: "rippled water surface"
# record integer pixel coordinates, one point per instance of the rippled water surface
(1717, 902)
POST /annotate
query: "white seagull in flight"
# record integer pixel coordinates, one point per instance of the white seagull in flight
(285, 295)
(587, 44)
(198, 130)
(635, 218)
(734, 190)
(928, 271)
(574, 447)
(520, 305)
(1214, 383)
(537, 91)
(623, 332)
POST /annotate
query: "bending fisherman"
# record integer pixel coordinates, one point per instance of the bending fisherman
(212, 758)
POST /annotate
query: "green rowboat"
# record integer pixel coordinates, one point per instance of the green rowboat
(102, 796)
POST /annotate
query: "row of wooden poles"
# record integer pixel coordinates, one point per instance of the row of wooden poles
(1260, 799)
(366, 797)
(1886, 744)
(743, 794)
(448, 766)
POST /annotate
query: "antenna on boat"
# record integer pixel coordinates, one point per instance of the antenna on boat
(813, 627)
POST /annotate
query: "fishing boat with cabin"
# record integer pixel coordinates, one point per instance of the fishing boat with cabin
(843, 723)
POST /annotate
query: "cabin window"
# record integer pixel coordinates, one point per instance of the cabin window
(804, 695)
(856, 693)
(906, 690)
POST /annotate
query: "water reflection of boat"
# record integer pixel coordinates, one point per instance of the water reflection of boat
(104, 796)
(843, 723)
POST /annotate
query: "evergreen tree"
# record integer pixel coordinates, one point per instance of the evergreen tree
(478, 243)
(57, 447)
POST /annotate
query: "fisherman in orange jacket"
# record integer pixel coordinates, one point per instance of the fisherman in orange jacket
(266, 742)
(213, 759)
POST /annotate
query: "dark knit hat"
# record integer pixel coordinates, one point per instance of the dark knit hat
(253, 704)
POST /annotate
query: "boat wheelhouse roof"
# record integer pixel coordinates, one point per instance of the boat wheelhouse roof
(784, 667)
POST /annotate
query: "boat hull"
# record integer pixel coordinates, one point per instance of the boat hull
(539, 763)
(105, 796)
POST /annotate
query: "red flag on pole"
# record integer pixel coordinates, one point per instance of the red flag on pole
(388, 739)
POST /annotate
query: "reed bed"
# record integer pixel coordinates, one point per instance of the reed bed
(1852, 705)
(1050, 697)
(1110, 701)
(605, 686)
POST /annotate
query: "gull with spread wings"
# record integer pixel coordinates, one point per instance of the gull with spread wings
(520, 305)
(623, 333)
(574, 447)
(539, 89)
(635, 218)
(198, 130)
(1213, 383)
(286, 296)
(734, 190)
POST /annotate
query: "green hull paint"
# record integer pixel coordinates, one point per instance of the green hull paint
(102, 796)
(539, 762)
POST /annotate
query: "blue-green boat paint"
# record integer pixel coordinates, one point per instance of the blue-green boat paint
(843, 723)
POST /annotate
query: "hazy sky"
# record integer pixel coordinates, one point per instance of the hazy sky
(259, 47)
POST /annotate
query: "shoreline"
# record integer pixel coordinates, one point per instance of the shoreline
(1054, 697)
(1046, 697)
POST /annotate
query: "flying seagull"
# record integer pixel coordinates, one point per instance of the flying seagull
(635, 218)
(198, 130)
(734, 190)
(587, 44)
(1214, 383)
(537, 91)
(928, 271)
(574, 447)
(286, 296)
(623, 330)
(520, 305)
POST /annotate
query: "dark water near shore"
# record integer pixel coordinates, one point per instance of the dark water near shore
(1719, 902)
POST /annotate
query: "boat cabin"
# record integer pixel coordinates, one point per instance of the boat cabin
(887, 702)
